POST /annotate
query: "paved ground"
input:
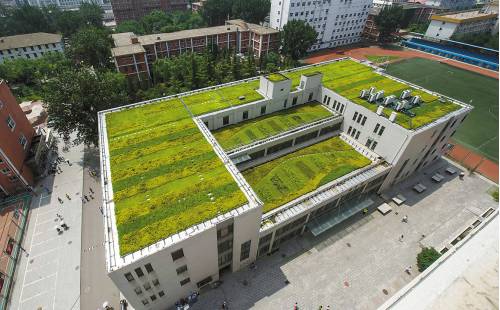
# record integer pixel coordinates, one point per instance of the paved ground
(96, 286)
(49, 276)
(468, 279)
(473, 160)
(362, 52)
(359, 265)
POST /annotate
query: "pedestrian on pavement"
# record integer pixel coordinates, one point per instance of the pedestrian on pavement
(91, 197)
(100, 209)
(86, 198)
(401, 238)
(67, 196)
(405, 219)
(295, 307)
(60, 200)
(90, 188)
(408, 270)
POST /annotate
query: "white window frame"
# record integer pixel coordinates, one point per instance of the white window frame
(11, 123)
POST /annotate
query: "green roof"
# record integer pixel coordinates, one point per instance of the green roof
(260, 128)
(165, 175)
(286, 178)
(276, 77)
(348, 78)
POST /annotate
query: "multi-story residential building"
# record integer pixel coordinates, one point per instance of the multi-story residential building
(29, 46)
(445, 26)
(23, 149)
(452, 4)
(337, 23)
(191, 188)
(136, 9)
(134, 55)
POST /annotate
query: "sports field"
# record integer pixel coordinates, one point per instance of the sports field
(480, 130)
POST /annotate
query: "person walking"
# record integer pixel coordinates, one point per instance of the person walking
(401, 238)
(405, 219)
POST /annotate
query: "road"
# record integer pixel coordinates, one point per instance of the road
(96, 287)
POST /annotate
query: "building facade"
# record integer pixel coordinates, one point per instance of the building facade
(337, 23)
(452, 4)
(445, 26)
(136, 9)
(134, 55)
(159, 274)
(29, 46)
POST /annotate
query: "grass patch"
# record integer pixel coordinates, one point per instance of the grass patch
(380, 59)
(272, 124)
(480, 130)
(165, 175)
(348, 78)
(286, 178)
(276, 77)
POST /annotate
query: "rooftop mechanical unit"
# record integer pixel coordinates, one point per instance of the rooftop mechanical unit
(379, 95)
(403, 104)
(405, 94)
(371, 90)
(390, 99)
(372, 98)
(364, 93)
(415, 100)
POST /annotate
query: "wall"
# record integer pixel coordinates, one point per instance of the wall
(30, 52)
(246, 227)
(440, 30)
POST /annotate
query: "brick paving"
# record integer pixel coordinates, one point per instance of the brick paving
(473, 160)
(351, 266)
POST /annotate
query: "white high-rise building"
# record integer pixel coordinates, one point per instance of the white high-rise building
(337, 22)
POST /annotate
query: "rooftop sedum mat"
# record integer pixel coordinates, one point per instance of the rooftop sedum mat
(165, 175)
(348, 78)
(286, 178)
(272, 124)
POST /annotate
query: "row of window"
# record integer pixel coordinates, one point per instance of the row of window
(25, 49)
(359, 118)
(371, 144)
(145, 301)
(139, 272)
(12, 125)
(353, 132)
(379, 129)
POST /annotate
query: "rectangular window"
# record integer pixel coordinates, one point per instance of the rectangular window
(262, 110)
(342, 109)
(204, 282)
(363, 121)
(353, 132)
(355, 115)
(225, 120)
(245, 114)
(328, 101)
(11, 123)
(155, 282)
(149, 268)
(357, 134)
(294, 101)
(153, 297)
(145, 302)
(324, 99)
(185, 281)
(177, 254)
(368, 143)
(285, 103)
(245, 250)
(129, 277)
(139, 272)
(138, 290)
(147, 286)
(374, 145)
(181, 269)
(310, 97)
(376, 128)
(381, 130)
(349, 130)
(161, 293)
(359, 118)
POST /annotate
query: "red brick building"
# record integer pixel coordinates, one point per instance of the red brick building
(134, 55)
(135, 9)
(16, 134)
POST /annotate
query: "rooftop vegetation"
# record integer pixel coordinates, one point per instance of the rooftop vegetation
(266, 126)
(276, 77)
(289, 177)
(348, 78)
(222, 98)
(165, 175)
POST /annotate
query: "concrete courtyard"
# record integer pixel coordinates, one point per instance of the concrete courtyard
(48, 274)
(361, 263)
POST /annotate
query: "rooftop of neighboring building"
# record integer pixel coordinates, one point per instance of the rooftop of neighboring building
(166, 176)
(30, 39)
(466, 16)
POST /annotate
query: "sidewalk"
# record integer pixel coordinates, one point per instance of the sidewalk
(48, 277)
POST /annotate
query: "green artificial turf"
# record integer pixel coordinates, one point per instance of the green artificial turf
(348, 78)
(380, 59)
(272, 124)
(286, 178)
(480, 130)
(165, 175)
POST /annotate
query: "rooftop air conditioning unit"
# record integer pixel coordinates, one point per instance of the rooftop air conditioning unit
(405, 94)
(372, 98)
(380, 109)
(379, 95)
(400, 106)
(371, 90)
(364, 93)
(392, 118)
(415, 100)
(389, 100)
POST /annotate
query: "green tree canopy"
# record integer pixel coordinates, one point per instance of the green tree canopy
(158, 21)
(389, 20)
(91, 46)
(426, 257)
(296, 38)
(216, 12)
(487, 39)
(73, 98)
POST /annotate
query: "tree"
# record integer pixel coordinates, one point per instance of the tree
(426, 257)
(73, 98)
(91, 13)
(130, 26)
(388, 21)
(253, 11)
(91, 46)
(488, 40)
(296, 38)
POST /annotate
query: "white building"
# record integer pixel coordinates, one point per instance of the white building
(29, 46)
(388, 132)
(68, 4)
(336, 22)
(452, 4)
(445, 26)
(383, 3)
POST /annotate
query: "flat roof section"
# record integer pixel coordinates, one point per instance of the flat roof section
(165, 175)
(286, 178)
(276, 77)
(269, 125)
(348, 78)
(221, 98)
